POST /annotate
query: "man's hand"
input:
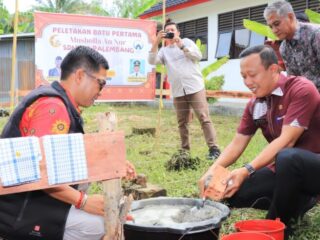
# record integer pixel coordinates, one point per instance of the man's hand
(178, 41)
(202, 182)
(95, 205)
(160, 36)
(130, 171)
(214, 184)
(235, 181)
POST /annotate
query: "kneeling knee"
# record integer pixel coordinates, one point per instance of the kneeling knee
(287, 157)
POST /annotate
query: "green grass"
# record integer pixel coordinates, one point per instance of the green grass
(149, 155)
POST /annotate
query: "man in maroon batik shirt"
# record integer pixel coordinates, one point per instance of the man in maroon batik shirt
(287, 110)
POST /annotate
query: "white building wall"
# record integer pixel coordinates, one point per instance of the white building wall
(231, 70)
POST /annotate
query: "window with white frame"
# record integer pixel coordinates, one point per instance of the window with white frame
(301, 5)
(233, 37)
(194, 30)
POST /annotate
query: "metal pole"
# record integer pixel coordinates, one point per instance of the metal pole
(14, 51)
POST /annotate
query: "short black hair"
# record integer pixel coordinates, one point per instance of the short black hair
(266, 53)
(136, 63)
(82, 57)
(171, 23)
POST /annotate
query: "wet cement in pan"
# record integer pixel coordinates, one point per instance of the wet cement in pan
(166, 215)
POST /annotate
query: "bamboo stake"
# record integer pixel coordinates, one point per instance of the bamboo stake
(162, 78)
(13, 61)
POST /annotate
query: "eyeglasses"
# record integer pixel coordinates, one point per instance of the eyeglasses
(101, 82)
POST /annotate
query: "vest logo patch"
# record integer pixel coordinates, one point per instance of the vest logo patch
(36, 231)
(36, 228)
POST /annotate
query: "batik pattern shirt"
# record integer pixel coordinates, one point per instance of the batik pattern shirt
(301, 54)
(46, 116)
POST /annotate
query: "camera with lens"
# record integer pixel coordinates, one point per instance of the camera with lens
(169, 35)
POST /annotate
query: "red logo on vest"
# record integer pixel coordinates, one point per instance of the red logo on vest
(36, 228)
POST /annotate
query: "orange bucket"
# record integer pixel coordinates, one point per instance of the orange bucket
(274, 228)
(247, 236)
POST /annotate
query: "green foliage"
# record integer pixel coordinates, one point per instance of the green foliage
(201, 46)
(25, 23)
(131, 9)
(182, 160)
(214, 67)
(95, 8)
(5, 20)
(71, 6)
(240, 214)
(184, 183)
(59, 6)
(144, 7)
(215, 83)
(259, 28)
(149, 154)
(308, 227)
(313, 16)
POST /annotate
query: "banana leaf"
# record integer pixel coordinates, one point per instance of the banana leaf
(259, 28)
(313, 16)
(214, 66)
(201, 47)
(146, 5)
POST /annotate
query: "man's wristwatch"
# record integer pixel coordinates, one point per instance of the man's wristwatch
(250, 169)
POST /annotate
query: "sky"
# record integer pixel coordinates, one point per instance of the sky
(25, 5)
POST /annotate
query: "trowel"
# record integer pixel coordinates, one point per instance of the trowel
(200, 203)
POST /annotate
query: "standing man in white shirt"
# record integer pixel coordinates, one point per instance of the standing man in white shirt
(181, 56)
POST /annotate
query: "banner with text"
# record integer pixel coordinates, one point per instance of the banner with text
(125, 43)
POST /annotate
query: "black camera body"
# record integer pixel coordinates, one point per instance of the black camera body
(169, 35)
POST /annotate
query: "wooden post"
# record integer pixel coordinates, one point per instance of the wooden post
(111, 188)
(112, 195)
(13, 61)
(162, 79)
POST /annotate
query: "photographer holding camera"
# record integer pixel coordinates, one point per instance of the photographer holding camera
(181, 56)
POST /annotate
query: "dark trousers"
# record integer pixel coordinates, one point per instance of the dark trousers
(256, 191)
(297, 180)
